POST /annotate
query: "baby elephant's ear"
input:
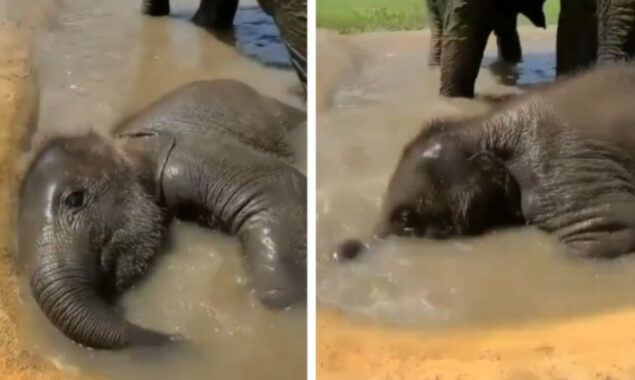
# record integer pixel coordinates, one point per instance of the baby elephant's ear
(448, 162)
(494, 170)
(496, 173)
(488, 163)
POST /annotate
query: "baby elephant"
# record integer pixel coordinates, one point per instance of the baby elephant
(93, 210)
(562, 159)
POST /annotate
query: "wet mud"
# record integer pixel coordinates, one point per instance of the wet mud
(508, 305)
(198, 289)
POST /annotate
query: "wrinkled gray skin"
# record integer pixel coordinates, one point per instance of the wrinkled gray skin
(93, 212)
(562, 159)
(459, 33)
(289, 16)
(591, 31)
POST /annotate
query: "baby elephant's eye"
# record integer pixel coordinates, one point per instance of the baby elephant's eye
(405, 221)
(403, 215)
(75, 199)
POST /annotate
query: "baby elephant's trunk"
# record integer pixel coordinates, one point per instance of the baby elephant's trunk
(66, 293)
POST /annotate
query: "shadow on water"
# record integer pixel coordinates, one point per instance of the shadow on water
(535, 68)
(254, 34)
(257, 36)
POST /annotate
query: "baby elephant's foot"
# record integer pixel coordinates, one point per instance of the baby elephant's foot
(156, 7)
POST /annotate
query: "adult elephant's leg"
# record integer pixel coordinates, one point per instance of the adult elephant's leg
(507, 38)
(156, 7)
(460, 63)
(465, 32)
(290, 16)
(577, 38)
(436, 31)
(616, 30)
(218, 14)
(601, 244)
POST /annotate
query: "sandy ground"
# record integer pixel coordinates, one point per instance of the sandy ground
(593, 348)
(17, 96)
(598, 347)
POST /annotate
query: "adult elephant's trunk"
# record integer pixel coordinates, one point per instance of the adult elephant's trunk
(66, 293)
(616, 30)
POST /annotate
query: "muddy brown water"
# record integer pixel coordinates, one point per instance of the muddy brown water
(383, 95)
(99, 61)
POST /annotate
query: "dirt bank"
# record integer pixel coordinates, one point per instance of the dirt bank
(17, 96)
(593, 348)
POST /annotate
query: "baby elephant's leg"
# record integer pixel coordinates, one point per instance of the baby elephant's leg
(602, 245)
(278, 274)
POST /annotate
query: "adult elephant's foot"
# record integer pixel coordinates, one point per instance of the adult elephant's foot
(453, 90)
(156, 7)
(508, 41)
(510, 53)
(216, 14)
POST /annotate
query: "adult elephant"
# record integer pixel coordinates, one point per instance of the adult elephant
(562, 159)
(93, 210)
(591, 31)
(289, 16)
(459, 33)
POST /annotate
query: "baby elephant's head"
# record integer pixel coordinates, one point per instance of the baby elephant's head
(87, 230)
(441, 190)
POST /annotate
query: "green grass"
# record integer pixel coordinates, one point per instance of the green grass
(352, 16)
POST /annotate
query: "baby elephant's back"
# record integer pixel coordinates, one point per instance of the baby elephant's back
(221, 109)
(600, 103)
